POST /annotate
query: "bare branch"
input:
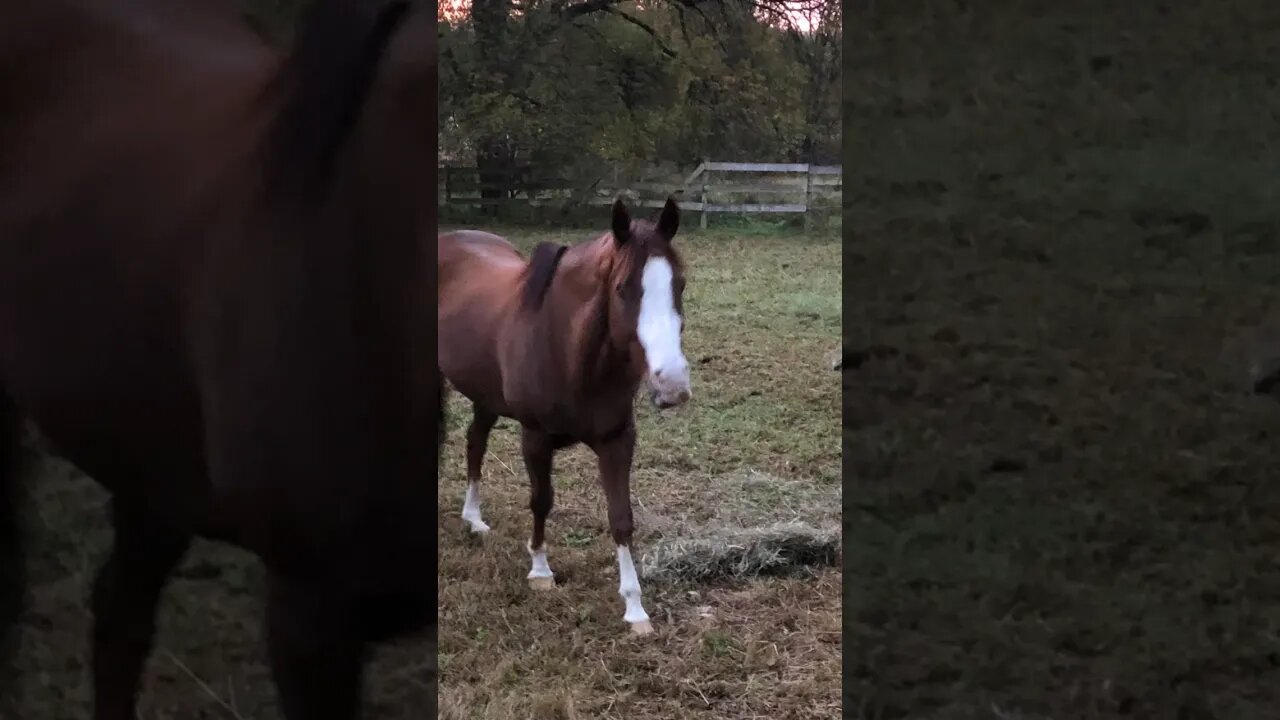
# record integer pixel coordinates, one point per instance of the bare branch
(588, 7)
(645, 27)
(696, 6)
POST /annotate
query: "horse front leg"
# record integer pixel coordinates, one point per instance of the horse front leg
(316, 650)
(125, 598)
(482, 422)
(538, 449)
(615, 456)
(13, 577)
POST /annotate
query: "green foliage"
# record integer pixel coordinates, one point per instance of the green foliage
(577, 85)
(545, 83)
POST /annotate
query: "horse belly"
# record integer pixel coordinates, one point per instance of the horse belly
(471, 317)
(480, 393)
(97, 370)
(468, 361)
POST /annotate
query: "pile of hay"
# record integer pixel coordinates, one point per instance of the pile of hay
(736, 553)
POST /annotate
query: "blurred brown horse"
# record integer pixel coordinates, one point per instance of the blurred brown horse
(194, 309)
(561, 343)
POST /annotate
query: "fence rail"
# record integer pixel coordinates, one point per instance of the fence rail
(712, 187)
(796, 180)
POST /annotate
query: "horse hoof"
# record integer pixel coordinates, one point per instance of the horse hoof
(542, 583)
(479, 528)
(644, 627)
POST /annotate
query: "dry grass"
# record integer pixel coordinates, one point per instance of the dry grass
(762, 313)
(209, 660)
(742, 553)
(757, 448)
(1066, 245)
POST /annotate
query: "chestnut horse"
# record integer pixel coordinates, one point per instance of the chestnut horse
(195, 312)
(561, 344)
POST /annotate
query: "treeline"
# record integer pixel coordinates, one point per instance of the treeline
(577, 85)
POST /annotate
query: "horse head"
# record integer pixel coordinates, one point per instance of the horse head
(645, 289)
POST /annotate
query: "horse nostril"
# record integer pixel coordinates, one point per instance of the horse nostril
(657, 374)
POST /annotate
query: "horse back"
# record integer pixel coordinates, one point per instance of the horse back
(476, 268)
(462, 251)
(478, 292)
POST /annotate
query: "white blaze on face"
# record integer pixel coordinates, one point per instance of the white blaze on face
(659, 332)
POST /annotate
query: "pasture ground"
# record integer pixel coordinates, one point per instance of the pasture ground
(1064, 253)
(763, 314)
(757, 445)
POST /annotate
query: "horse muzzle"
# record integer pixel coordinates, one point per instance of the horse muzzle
(666, 394)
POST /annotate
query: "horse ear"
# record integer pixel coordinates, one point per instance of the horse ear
(621, 222)
(669, 221)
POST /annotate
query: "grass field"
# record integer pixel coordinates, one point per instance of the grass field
(758, 445)
(1064, 254)
(763, 315)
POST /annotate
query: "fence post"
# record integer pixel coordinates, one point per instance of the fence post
(702, 221)
(808, 190)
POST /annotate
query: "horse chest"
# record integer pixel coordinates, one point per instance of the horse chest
(540, 411)
(581, 419)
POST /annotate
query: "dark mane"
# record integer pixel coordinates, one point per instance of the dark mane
(326, 80)
(543, 262)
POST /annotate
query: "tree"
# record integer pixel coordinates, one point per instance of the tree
(580, 83)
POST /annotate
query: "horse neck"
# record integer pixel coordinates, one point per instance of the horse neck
(598, 368)
(387, 287)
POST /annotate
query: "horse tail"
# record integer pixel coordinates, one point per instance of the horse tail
(13, 579)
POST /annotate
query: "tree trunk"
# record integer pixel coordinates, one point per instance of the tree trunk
(494, 158)
(495, 167)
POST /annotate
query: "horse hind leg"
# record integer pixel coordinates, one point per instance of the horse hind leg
(539, 450)
(12, 562)
(125, 597)
(482, 422)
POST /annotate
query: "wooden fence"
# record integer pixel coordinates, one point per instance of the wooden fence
(790, 188)
(712, 187)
